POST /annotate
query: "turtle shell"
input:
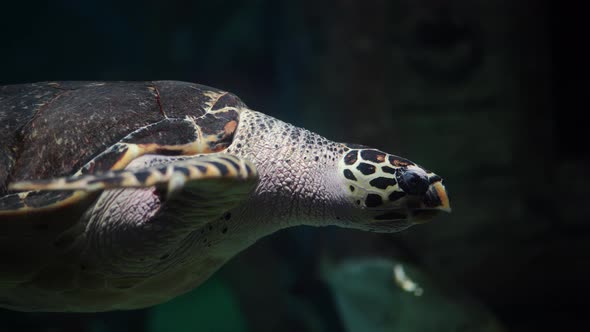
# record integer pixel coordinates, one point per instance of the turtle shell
(52, 129)
(60, 129)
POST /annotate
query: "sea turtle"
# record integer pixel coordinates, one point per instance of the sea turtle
(122, 195)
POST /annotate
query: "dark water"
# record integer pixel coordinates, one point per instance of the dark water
(462, 86)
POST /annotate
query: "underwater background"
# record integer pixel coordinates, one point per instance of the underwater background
(467, 87)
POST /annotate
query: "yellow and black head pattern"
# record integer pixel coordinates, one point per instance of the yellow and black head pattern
(391, 188)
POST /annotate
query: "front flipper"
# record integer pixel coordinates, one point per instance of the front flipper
(174, 176)
(189, 192)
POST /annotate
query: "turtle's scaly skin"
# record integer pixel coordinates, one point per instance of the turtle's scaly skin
(151, 187)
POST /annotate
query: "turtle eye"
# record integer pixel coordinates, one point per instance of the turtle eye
(412, 181)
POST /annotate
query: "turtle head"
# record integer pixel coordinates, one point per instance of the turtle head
(387, 193)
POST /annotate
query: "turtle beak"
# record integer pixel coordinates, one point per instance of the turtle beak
(434, 201)
(437, 198)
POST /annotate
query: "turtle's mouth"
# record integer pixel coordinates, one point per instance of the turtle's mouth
(435, 201)
(419, 208)
(423, 215)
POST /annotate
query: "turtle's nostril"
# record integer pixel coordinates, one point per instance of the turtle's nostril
(413, 183)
